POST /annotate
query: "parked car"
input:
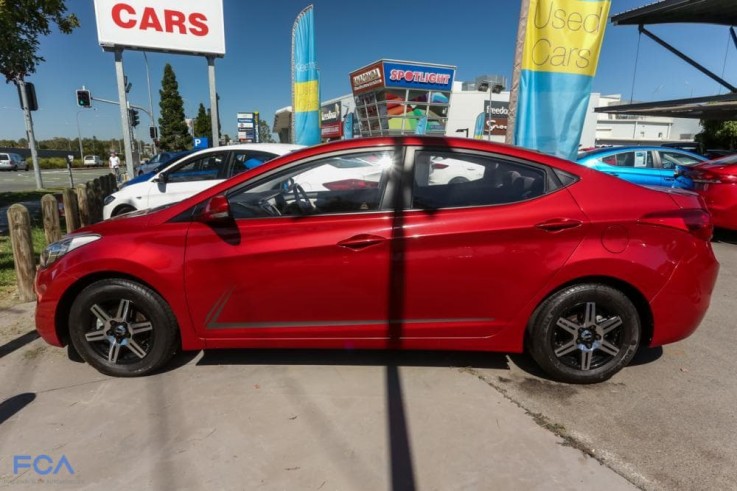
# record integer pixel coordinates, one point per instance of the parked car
(647, 166)
(92, 161)
(12, 161)
(529, 257)
(145, 172)
(716, 182)
(160, 160)
(190, 175)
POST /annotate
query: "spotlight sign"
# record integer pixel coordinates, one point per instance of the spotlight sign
(183, 26)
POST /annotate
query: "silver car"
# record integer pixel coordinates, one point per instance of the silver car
(12, 161)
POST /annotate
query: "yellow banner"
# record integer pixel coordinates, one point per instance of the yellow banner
(565, 36)
(306, 96)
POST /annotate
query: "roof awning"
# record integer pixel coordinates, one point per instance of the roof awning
(719, 107)
(722, 12)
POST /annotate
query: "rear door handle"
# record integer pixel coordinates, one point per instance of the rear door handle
(361, 241)
(558, 224)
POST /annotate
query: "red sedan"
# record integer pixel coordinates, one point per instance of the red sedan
(536, 253)
(716, 182)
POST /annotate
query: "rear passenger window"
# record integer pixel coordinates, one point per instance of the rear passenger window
(450, 179)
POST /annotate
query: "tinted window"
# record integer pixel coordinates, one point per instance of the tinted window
(444, 179)
(244, 160)
(207, 167)
(637, 158)
(319, 187)
(671, 159)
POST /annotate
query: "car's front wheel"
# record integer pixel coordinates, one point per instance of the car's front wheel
(122, 328)
(584, 333)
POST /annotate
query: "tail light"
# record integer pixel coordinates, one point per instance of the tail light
(694, 221)
(439, 166)
(350, 184)
(711, 177)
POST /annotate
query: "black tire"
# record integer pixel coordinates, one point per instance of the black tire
(607, 331)
(123, 328)
(458, 180)
(122, 209)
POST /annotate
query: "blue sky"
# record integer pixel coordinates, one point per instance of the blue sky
(477, 37)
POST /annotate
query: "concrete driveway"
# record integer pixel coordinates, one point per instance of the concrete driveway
(247, 419)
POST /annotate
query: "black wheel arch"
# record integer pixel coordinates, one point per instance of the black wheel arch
(629, 290)
(64, 306)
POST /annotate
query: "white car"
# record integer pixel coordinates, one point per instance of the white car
(346, 173)
(12, 161)
(92, 161)
(452, 171)
(192, 174)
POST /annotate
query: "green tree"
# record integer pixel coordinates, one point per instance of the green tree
(718, 134)
(22, 22)
(174, 134)
(202, 124)
(264, 132)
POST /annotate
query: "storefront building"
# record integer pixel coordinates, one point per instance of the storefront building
(402, 97)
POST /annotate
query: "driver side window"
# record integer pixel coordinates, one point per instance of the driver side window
(205, 168)
(351, 183)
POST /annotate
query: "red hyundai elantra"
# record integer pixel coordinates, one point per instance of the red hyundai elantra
(536, 253)
(716, 182)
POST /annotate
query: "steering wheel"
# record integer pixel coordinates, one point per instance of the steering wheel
(303, 202)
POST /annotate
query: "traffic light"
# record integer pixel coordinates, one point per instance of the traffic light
(153, 132)
(133, 117)
(30, 96)
(83, 98)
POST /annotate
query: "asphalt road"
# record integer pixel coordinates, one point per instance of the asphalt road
(15, 181)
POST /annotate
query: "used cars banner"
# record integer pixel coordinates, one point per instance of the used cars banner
(562, 44)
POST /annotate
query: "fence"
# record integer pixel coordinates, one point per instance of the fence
(82, 207)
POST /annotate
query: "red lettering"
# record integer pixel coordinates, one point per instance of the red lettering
(118, 9)
(150, 20)
(173, 19)
(199, 25)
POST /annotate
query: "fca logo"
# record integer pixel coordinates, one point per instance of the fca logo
(41, 464)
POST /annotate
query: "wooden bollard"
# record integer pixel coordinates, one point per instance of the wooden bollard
(71, 212)
(99, 198)
(50, 215)
(85, 207)
(19, 225)
(92, 203)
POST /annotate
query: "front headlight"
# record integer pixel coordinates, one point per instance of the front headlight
(56, 250)
(108, 199)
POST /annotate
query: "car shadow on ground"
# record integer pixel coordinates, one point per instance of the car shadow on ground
(724, 235)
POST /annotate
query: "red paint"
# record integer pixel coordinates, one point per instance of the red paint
(117, 14)
(717, 184)
(465, 278)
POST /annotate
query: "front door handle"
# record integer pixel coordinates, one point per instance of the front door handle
(361, 241)
(558, 224)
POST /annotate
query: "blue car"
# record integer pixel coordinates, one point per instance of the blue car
(155, 164)
(647, 166)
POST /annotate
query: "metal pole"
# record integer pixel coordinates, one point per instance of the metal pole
(488, 114)
(122, 99)
(79, 137)
(213, 101)
(150, 103)
(29, 133)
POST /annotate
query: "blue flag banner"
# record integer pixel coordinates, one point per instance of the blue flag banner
(348, 126)
(305, 84)
(478, 130)
(562, 45)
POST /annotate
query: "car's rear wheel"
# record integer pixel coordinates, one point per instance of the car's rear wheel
(120, 210)
(584, 333)
(122, 328)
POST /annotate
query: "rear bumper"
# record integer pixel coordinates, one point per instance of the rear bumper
(682, 303)
(721, 200)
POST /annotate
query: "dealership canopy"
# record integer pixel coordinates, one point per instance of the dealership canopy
(719, 12)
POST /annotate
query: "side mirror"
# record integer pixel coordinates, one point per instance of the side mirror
(162, 178)
(216, 210)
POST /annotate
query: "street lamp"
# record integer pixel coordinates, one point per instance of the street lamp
(462, 130)
(493, 88)
(150, 102)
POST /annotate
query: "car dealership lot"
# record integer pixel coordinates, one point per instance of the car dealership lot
(336, 420)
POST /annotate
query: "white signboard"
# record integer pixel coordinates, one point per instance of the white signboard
(186, 26)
